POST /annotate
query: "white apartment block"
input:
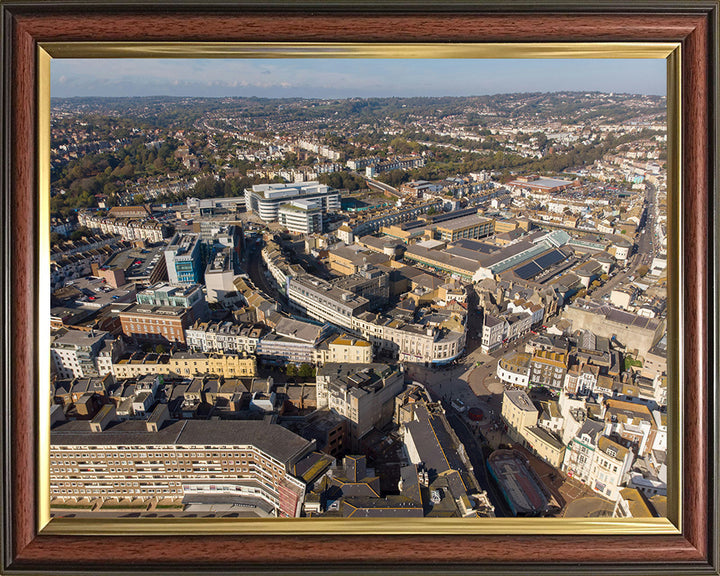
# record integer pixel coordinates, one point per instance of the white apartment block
(188, 460)
(75, 353)
(219, 276)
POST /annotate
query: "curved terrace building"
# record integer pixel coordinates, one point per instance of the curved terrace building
(247, 463)
(265, 199)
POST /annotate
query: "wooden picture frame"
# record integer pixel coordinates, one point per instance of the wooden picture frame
(29, 548)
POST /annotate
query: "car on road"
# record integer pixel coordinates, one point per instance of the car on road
(458, 405)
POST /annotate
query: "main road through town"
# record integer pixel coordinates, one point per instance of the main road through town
(477, 459)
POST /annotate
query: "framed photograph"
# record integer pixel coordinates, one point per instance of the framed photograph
(682, 34)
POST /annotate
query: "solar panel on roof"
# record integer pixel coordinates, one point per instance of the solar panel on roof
(551, 258)
(538, 265)
(475, 245)
(528, 270)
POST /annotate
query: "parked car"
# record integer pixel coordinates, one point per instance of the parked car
(459, 405)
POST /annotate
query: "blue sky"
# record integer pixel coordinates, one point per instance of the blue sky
(342, 78)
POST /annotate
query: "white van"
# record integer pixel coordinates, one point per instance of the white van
(459, 405)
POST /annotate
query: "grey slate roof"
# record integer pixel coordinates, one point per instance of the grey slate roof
(272, 439)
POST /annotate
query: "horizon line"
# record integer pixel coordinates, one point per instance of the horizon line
(611, 93)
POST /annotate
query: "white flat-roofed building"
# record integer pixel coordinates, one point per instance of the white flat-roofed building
(265, 199)
(219, 277)
(229, 203)
(321, 300)
(75, 353)
(292, 341)
(302, 216)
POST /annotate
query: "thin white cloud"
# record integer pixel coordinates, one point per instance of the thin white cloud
(342, 78)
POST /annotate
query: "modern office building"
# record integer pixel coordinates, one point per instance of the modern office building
(183, 257)
(302, 216)
(266, 199)
(321, 300)
(292, 341)
(164, 294)
(212, 204)
(472, 226)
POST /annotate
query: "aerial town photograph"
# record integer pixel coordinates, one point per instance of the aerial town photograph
(357, 288)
